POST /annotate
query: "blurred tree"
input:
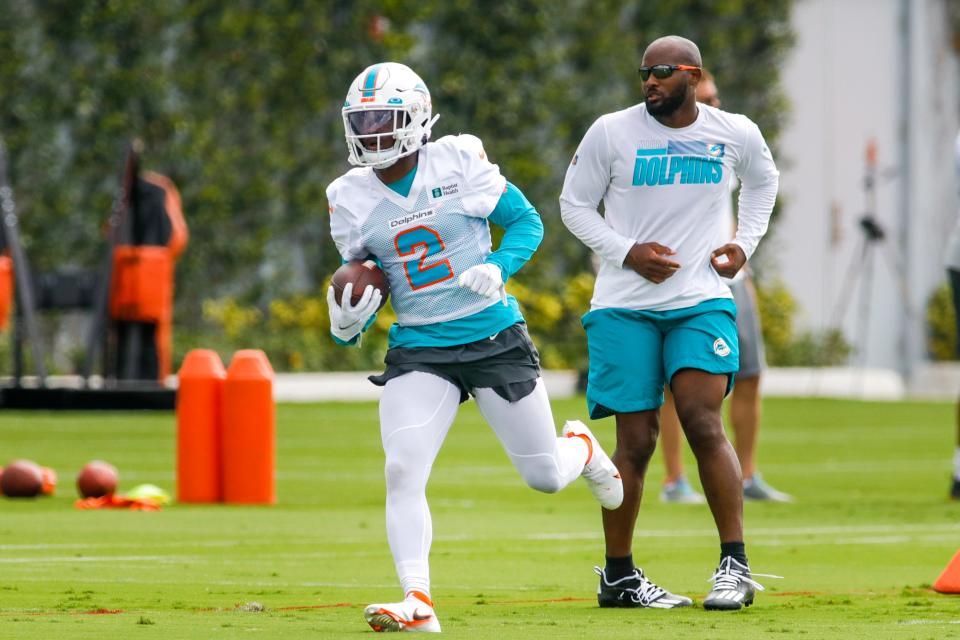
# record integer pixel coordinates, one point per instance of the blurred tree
(262, 136)
(941, 324)
(78, 80)
(785, 347)
(239, 102)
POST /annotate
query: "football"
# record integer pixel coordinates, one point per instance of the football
(21, 479)
(361, 273)
(97, 479)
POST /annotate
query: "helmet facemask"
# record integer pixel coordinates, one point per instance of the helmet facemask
(391, 132)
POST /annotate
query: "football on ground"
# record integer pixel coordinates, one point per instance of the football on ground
(361, 273)
(21, 479)
(97, 479)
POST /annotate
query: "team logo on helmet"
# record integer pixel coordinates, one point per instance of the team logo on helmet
(369, 91)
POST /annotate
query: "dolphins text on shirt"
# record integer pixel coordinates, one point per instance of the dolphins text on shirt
(693, 162)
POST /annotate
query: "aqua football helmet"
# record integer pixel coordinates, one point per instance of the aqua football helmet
(387, 115)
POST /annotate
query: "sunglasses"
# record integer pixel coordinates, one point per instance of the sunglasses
(661, 71)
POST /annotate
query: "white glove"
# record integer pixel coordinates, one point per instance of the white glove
(349, 320)
(484, 279)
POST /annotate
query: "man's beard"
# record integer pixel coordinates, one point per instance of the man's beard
(667, 104)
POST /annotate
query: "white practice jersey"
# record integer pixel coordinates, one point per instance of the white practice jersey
(426, 240)
(670, 186)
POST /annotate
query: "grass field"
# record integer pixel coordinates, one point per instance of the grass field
(871, 529)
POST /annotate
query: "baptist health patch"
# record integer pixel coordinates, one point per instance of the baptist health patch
(445, 190)
(720, 348)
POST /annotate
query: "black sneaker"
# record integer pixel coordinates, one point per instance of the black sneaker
(955, 489)
(733, 586)
(635, 591)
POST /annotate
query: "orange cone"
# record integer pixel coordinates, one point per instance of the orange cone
(49, 485)
(199, 467)
(248, 430)
(949, 580)
(6, 290)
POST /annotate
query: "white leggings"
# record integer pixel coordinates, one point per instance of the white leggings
(416, 411)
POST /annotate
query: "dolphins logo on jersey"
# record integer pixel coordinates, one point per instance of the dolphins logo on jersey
(720, 348)
(715, 150)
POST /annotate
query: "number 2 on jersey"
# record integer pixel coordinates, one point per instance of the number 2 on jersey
(420, 274)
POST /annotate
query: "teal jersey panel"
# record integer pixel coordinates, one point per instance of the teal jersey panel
(478, 326)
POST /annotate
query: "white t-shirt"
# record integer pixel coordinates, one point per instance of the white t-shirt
(439, 229)
(666, 185)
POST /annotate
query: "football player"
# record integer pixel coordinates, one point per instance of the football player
(661, 313)
(423, 210)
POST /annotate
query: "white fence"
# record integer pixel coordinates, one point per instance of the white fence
(932, 381)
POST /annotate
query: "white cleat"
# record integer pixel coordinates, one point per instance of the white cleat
(413, 614)
(601, 474)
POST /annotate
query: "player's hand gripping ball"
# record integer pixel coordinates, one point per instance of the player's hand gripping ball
(360, 273)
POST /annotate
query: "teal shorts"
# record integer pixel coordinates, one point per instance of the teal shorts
(634, 353)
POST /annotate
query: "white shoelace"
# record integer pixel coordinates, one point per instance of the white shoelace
(645, 594)
(729, 575)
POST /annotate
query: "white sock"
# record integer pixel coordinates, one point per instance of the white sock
(415, 583)
(416, 411)
(956, 463)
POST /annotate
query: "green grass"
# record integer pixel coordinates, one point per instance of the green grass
(871, 529)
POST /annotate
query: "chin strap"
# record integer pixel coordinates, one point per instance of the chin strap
(430, 124)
